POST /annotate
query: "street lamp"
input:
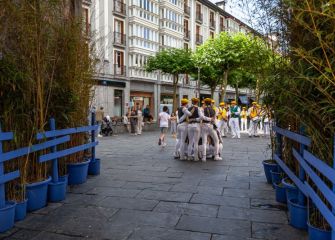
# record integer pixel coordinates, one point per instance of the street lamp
(199, 82)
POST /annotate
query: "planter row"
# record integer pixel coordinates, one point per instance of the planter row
(39, 193)
(287, 193)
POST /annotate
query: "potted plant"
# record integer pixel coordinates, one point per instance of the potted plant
(77, 164)
(269, 164)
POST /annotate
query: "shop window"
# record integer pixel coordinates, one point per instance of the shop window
(118, 109)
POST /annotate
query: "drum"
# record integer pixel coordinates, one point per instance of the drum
(256, 119)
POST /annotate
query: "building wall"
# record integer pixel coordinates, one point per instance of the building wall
(128, 32)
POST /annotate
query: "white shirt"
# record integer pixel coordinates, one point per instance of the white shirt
(164, 119)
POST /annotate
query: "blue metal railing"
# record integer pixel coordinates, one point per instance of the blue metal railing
(53, 138)
(307, 163)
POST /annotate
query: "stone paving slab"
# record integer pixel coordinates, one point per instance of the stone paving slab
(145, 194)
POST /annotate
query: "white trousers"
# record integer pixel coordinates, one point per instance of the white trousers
(181, 138)
(244, 124)
(266, 128)
(207, 130)
(193, 131)
(253, 128)
(235, 127)
(139, 125)
(223, 127)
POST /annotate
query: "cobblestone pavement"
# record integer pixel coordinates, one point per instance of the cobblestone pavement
(143, 193)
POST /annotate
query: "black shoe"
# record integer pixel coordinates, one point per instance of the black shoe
(250, 136)
(160, 142)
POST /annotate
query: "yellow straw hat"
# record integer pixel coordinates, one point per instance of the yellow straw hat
(208, 100)
(254, 103)
(222, 103)
(184, 101)
(195, 100)
(213, 101)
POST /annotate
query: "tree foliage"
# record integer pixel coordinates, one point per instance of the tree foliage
(172, 61)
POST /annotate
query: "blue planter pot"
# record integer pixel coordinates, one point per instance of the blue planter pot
(77, 172)
(298, 214)
(57, 191)
(276, 177)
(94, 167)
(269, 166)
(37, 195)
(318, 234)
(280, 193)
(291, 190)
(7, 216)
(64, 178)
(21, 210)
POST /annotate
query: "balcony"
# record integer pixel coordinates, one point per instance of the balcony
(187, 10)
(119, 70)
(187, 34)
(198, 39)
(198, 17)
(212, 24)
(119, 39)
(120, 8)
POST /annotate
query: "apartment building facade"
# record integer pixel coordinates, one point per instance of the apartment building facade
(127, 32)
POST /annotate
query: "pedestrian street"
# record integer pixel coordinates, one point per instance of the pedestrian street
(144, 193)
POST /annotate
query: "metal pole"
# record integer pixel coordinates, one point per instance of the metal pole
(301, 196)
(199, 82)
(52, 124)
(2, 185)
(93, 136)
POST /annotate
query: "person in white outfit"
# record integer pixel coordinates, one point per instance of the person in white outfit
(194, 130)
(163, 119)
(139, 120)
(223, 120)
(183, 115)
(244, 120)
(253, 113)
(234, 113)
(209, 119)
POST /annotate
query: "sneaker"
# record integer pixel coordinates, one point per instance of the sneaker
(160, 142)
(164, 144)
(203, 160)
(218, 158)
(99, 135)
(233, 136)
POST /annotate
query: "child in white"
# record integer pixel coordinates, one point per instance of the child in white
(163, 119)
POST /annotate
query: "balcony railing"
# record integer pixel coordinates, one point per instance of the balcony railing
(187, 10)
(119, 70)
(187, 34)
(120, 8)
(212, 24)
(198, 17)
(198, 39)
(119, 39)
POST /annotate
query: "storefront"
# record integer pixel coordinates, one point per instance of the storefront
(142, 99)
(110, 95)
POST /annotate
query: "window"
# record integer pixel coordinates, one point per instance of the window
(118, 58)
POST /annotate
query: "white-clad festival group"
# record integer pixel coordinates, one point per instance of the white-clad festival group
(200, 129)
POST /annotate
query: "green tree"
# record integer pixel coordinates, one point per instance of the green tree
(172, 61)
(226, 52)
(241, 78)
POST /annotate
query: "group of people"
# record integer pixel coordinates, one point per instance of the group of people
(200, 129)
(136, 117)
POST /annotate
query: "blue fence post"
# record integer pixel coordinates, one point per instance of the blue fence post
(52, 124)
(333, 230)
(93, 136)
(2, 185)
(302, 177)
